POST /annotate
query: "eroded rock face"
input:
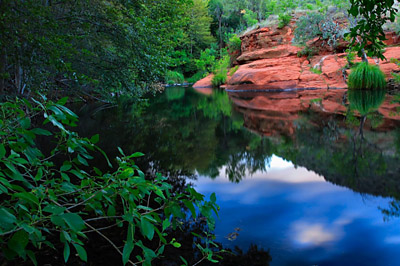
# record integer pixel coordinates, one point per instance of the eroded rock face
(288, 71)
(269, 61)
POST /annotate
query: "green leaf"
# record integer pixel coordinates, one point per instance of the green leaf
(29, 197)
(81, 252)
(32, 256)
(40, 131)
(55, 122)
(166, 223)
(213, 198)
(184, 261)
(18, 242)
(121, 151)
(136, 154)
(190, 206)
(74, 221)
(2, 151)
(82, 160)
(128, 248)
(67, 251)
(7, 219)
(111, 211)
(176, 244)
(62, 101)
(54, 209)
(94, 139)
(39, 174)
(65, 167)
(147, 228)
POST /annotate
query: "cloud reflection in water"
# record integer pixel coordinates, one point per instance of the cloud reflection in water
(302, 218)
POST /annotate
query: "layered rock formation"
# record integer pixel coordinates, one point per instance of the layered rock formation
(269, 61)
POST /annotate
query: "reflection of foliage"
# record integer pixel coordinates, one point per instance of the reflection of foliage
(342, 158)
(195, 134)
(392, 211)
(255, 255)
(175, 93)
(216, 105)
(366, 101)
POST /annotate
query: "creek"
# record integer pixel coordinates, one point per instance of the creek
(305, 183)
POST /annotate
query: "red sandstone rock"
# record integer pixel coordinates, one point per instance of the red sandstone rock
(268, 53)
(204, 83)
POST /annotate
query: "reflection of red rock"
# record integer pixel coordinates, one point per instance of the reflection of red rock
(275, 113)
(205, 91)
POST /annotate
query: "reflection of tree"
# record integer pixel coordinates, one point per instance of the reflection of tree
(365, 102)
(184, 132)
(254, 256)
(342, 157)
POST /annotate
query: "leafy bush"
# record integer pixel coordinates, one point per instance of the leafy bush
(366, 76)
(52, 196)
(233, 70)
(308, 52)
(221, 71)
(396, 76)
(218, 79)
(206, 61)
(199, 75)
(283, 20)
(174, 77)
(250, 18)
(316, 25)
(234, 43)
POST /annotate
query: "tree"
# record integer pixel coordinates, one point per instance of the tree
(368, 35)
(110, 46)
(198, 28)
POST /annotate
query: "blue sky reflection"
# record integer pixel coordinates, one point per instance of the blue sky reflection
(302, 219)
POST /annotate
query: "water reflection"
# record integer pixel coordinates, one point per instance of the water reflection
(188, 134)
(268, 157)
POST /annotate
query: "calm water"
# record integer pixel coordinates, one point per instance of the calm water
(307, 183)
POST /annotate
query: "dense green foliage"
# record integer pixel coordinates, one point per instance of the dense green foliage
(368, 34)
(318, 25)
(53, 197)
(284, 20)
(111, 46)
(366, 76)
(221, 71)
(174, 77)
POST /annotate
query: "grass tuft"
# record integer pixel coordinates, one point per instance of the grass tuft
(366, 76)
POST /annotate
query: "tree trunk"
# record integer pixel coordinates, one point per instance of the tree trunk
(364, 56)
(3, 65)
(220, 30)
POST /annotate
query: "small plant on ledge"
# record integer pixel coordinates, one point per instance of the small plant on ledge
(366, 76)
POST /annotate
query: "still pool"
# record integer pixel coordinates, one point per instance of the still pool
(309, 176)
